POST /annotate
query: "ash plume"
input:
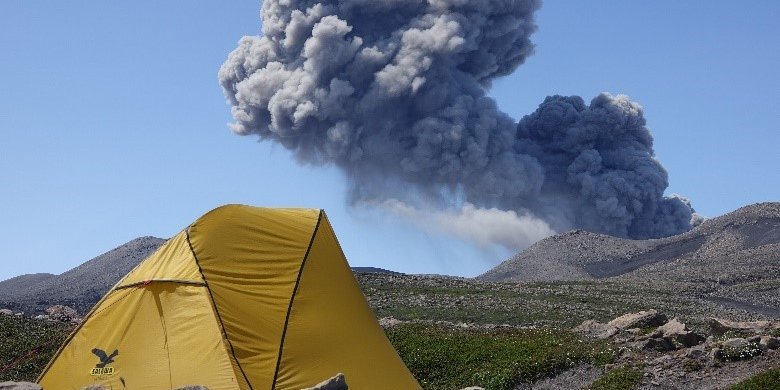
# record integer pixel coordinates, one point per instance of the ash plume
(394, 93)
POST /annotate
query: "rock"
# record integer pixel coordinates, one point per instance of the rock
(6, 312)
(337, 382)
(634, 331)
(735, 343)
(696, 353)
(642, 319)
(595, 329)
(193, 387)
(674, 326)
(679, 333)
(661, 345)
(19, 386)
(688, 338)
(716, 353)
(62, 313)
(473, 388)
(720, 327)
(389, 322)
(769, 342)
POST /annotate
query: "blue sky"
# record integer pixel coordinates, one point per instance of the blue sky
(113, 124)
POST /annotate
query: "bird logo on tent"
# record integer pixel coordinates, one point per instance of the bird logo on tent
(104, 359)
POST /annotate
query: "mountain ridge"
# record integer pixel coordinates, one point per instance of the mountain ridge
(582, 255)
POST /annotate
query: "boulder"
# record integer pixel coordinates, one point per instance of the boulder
(6, 312)
(193, 387)
(661, 345)
(595, 329)
(720, 327)
(674, 326)
(735, 343)
(337, 382)
(19, 386)
(679, 333)
(62, 313)
(642, 319)
(769, 342)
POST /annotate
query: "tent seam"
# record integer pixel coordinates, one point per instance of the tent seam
(216, 310)
(292, 299)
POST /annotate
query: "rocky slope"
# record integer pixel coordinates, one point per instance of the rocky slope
(747, 238)
(11, 286)
(79, 287)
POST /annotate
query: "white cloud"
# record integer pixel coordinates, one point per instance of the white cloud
(484, 227)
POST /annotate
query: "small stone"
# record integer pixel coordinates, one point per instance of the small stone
(337, 382)
(696, 353)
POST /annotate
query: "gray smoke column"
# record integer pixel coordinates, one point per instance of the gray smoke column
(394, 93)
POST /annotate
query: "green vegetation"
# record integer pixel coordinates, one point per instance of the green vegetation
(497, 359)
(691, 365)
(26, 345)
(769, 380)
(732, 354)
(624, 378)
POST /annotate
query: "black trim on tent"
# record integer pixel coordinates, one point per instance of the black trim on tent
(292, 299)
(216, 310)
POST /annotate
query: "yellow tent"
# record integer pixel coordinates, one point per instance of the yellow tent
(244, 298)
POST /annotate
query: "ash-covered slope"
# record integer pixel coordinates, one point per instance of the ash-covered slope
(748, 236)
(80, 287)
(11, 286)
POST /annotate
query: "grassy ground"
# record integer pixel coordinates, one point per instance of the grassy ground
(623, 378)
(26, 346)
(496, 359)
(769, 380)
(554, 304)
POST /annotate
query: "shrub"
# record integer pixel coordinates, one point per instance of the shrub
(769, 380)
(27, 345)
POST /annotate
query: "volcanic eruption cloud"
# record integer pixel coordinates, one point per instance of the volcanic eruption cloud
(394, 93)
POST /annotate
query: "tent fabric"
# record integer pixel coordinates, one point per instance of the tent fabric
(244, 298)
